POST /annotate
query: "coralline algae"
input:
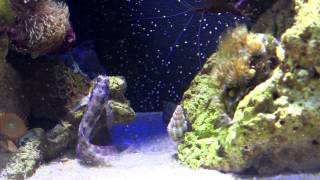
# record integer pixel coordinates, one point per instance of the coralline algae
(275, 124)
(5, 14)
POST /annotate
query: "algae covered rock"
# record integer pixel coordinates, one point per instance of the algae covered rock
(277, 19)
(122, 112)
(274, 125)
(40, 27)
(213, 96)
(50, 86)
(53, 90)
(302, 41)
(29, 156)
(118, 88)
(13, 99)
(58, 139)
(5, 13)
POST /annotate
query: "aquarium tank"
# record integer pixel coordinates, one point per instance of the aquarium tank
(159, 89)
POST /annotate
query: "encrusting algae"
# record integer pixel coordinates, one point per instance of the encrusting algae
(242, 60)
(5, 14)
(239, 58)
(274, 110)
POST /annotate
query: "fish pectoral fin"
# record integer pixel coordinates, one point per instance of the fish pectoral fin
(84, 101)
(109, 115)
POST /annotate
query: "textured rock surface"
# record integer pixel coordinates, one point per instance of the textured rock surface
(59, 139)
(53, 90)
(302, 41)
(29, 156)
(40, 27)
(254, 8)
(275, 124)
(149, 155)
(5, 14)
(51, 87)
(277, 19)
(12, 97)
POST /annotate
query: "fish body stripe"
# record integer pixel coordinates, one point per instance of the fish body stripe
(97, 103)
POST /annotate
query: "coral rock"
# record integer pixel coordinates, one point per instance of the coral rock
(5, 14)
(275, 123)
(277, 19)
(301, 42)
(14, 106)
(28, 157)
(40, 27)
(7, 145)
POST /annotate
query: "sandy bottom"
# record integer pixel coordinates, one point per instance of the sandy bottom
(149, 155)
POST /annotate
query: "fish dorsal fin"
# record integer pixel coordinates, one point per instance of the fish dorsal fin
(83, 102)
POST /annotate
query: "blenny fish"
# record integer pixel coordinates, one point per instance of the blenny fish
(96, 103)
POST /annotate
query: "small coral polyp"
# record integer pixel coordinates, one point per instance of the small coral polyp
(12, 125)
(236, 57)
(242, 60)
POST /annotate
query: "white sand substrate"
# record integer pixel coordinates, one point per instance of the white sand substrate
(149, 156)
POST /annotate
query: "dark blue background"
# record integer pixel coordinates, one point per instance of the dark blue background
(158, 46)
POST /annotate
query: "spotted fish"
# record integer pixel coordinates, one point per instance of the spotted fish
(96, 103)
